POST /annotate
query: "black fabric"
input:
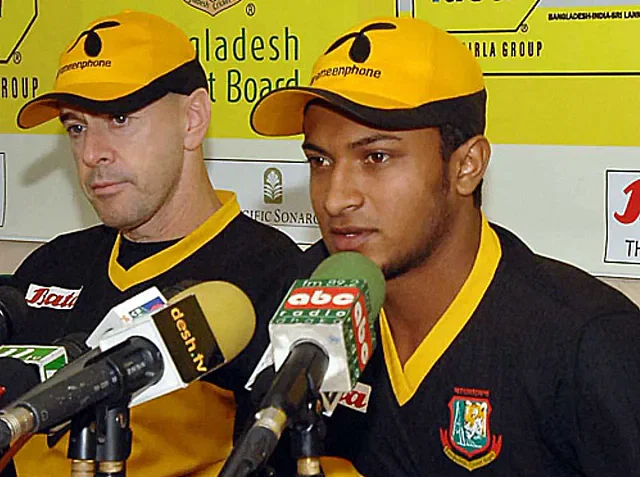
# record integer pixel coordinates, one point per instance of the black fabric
(134, 252)
(258, 259)
(16, 377)
(312, 258)
(557, 351)
(9, 470)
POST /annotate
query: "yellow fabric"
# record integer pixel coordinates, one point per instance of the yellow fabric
(171, 256)
(187, 432)
(405, 382)
(441, 68)
(337, 467)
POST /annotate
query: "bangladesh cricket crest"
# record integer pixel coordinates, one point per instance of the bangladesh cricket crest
(468, 441)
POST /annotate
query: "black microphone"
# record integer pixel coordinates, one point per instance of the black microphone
(18, 377)
(323, 329)
(15, 315)
(123, 370)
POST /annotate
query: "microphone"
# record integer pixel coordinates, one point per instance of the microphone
(15, 315)
(23, 367)
(201, 329)
(127, 313)
(322, 335)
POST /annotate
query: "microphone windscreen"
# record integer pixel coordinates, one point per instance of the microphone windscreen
(15, 310)
(353, 265)
(16, 377)
(229, 313)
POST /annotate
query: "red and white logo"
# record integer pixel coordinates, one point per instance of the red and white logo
(623, 217)
(305, 298)
(39, 296)
(358, 399)
(361, 331)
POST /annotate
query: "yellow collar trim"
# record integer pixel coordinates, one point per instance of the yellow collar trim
(406, 382)
(159, 263)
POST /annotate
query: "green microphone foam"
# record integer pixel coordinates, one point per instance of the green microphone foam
(350, 265)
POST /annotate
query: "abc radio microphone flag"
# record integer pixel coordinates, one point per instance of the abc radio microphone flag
(322, 336)
(337, 308)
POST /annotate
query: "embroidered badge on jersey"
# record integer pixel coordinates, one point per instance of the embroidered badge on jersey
(468, 441)
(39, 296)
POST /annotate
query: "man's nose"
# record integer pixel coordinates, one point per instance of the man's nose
(96, 147)
(344, 190)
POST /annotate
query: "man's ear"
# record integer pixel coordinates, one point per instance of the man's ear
(471, 160)
(198, 116)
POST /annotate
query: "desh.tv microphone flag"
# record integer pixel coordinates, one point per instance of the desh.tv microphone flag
(322, 336)
(212, 319)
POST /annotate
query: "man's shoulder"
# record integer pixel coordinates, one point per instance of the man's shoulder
(557, 283)
(75, 246)
(248, 233)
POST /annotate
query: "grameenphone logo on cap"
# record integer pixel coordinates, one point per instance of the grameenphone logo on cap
(272, 184)
(212, 7)
(359, 53)
(92, 46)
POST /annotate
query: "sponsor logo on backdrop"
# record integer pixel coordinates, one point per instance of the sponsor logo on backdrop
(275, 193)
(16, 19)
(623, 214)
(212, 7)
(272, 186)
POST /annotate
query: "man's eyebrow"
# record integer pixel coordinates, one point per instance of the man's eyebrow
(355, 144)
(67, 116)
(313, 147)
(365, 141)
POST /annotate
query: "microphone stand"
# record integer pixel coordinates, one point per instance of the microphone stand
(82, 444)
(114, 438)
(308, 430)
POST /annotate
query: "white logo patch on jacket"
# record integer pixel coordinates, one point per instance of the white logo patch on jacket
(358, 399)
(39, 296)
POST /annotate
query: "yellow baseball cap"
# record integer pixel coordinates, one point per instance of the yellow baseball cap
(390, 73)
(118, 65)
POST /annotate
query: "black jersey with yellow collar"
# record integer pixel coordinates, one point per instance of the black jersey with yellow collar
(534, 370)
(74, 280)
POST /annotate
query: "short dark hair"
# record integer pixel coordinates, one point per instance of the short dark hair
(451, 138)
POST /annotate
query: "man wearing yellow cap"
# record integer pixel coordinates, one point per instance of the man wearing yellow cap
(133, 98)
(492, 360)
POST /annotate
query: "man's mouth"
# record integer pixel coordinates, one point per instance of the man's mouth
(105, 188)
(349, 238)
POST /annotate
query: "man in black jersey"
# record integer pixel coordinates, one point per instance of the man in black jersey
(493, 360)
(133, 98)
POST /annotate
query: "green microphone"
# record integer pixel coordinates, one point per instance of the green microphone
(336, 309)
(322, 336)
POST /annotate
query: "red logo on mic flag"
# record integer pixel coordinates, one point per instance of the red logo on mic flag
(304, 298)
